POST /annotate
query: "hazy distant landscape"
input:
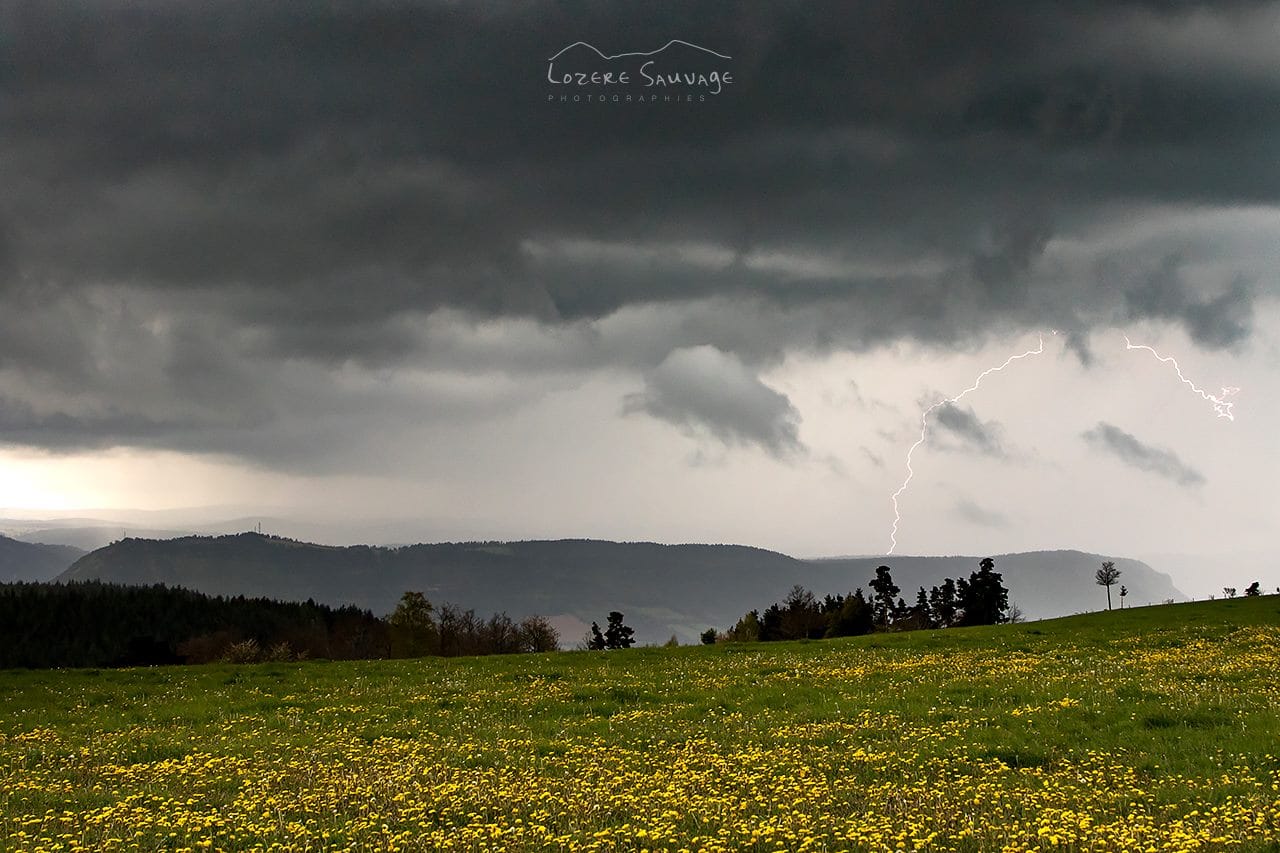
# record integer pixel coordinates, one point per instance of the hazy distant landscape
(664, 589)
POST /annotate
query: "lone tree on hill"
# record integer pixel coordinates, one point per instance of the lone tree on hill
(1123, 592)
(1107, 576)
(1253, 589)
(617, 635)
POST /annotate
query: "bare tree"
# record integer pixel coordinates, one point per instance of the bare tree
(537, 634)
(1107, 576)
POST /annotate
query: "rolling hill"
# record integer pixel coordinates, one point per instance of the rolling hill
(25, 561)
(663, 589)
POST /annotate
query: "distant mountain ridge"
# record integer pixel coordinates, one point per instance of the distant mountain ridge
(663, 589)
(26, 561)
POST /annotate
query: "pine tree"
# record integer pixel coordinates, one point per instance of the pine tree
(771, 623)
(1107, 576)
(984, 600)
(924, 612)
(885, 590)
(854, 617)
(747, 629)
(942, 603)
(617, 635)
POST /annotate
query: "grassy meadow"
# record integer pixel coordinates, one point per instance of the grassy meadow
(1150, 729)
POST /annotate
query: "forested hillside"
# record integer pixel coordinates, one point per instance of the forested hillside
(663, 589)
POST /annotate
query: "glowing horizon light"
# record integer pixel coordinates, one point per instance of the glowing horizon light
(24, 485)
(924, 430)
(1221, 406)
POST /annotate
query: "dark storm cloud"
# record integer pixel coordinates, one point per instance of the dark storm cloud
(704, 390)
(1077, 343)
(20, 424)
(1214, 320)
(1131, 451)
(974, 434)
(312, 184)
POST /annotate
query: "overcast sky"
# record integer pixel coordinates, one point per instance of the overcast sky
(362, 260)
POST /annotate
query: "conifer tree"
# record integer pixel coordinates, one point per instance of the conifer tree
(885, 590)
(1107, 576)
(984, 600)
(616, 634)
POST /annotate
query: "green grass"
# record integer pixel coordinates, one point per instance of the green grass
(1151, 727)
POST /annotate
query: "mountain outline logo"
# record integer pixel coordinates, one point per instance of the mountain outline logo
(679, 69)
(606, 57)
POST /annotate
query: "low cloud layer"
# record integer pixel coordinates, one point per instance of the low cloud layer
(973, 434)
(705, 391)
(1110, 439)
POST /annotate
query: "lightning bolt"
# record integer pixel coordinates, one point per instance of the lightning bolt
(1221, 406)
(924, 430)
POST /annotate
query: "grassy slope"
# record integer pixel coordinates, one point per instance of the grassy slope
(1152, 728)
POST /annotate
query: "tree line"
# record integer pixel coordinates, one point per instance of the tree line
(96, 624)
(418, 628)
(980, 599)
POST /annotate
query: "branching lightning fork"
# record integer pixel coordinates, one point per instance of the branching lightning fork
(924, 430)
(1221, 406)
